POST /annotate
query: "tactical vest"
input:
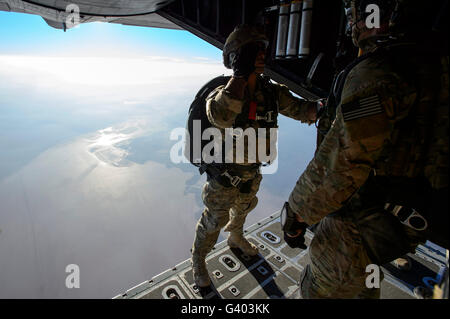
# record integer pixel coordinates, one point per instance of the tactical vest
(268, 118)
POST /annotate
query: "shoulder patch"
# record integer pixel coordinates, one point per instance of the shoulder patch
(361, 108)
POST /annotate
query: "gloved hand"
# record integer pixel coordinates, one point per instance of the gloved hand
(293, 227)
(243, 61)
(299, 240)
(295, 242)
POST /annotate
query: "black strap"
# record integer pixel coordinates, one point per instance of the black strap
(228, 176)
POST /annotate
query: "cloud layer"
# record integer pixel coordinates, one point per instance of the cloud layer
(85, 173)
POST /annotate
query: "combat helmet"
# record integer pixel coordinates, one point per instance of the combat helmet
(407, 19)
(357, 8)
(240, 36)
(356, 11)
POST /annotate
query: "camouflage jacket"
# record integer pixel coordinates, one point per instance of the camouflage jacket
(392, 120)
(223, 110)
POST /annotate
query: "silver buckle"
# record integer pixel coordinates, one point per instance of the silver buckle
(234, 180)
(407, 221)
(268, 117)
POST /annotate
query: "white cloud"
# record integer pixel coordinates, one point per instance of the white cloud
(96, 87)
(107, 71)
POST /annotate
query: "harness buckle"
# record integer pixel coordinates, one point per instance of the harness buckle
(234, 180)
(268, 117)
(408, 216)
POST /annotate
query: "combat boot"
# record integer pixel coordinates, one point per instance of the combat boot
(403, 263)
(200, 272)
(237, 240)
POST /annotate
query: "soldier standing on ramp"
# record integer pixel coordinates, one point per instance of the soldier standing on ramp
(246, 101)
(378, 184)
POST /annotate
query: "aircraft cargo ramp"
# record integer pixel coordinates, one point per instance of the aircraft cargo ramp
(275, 272)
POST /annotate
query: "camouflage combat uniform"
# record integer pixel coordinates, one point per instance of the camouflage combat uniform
(228, 206)
(392, 122)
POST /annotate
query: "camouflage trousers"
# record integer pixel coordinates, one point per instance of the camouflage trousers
(225, 207)
(343, 246)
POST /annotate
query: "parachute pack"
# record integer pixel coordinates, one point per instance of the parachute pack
(197, 111)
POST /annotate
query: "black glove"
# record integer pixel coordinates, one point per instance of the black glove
(299, 240)
(243, 61)
(295, 242)
(291, 226)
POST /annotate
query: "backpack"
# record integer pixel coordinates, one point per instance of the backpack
(197, 111)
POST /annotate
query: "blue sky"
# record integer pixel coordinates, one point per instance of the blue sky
(30, 35)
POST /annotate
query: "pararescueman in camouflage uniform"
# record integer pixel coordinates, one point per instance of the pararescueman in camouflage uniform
(229, 106)
(385, 153)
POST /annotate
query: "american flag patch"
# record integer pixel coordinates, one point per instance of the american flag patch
(361, 108)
